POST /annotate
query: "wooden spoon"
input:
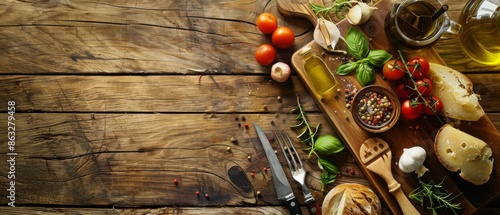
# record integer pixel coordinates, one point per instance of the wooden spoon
(376, 155)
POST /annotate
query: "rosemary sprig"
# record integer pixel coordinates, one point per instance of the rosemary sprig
(436, 196)
(338, 7)
(308, 134)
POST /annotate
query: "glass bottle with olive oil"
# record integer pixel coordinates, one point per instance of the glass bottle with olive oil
(318, 73)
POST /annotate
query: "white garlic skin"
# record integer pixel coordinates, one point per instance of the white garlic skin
(334, 33)
(360, 13)
(412, 159)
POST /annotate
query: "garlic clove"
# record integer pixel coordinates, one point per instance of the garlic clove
(326, 34)
(360, 13)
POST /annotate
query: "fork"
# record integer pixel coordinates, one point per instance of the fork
(297, 169)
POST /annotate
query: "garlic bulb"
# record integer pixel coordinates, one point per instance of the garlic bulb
(360, 13)
(413, 159)
(326, 34)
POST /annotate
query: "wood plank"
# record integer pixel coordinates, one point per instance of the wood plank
(170, 210)
(132, 159)
(141, 37)
(177, 94)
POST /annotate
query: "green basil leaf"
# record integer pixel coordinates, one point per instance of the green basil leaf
(357, 44)
(328, 144)
(378, 58)
(365, 74)
(328, 178)
(346, 67)
(328, 166)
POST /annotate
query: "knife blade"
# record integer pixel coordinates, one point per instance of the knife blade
(283, 189)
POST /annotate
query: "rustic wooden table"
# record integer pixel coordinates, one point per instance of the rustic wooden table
(114, 100)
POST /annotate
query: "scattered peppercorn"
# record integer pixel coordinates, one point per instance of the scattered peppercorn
(246, 125)
(252, 174)
(264, 169)
(228, 149)
(249, 157)
(243, 118)
(352, 172)
(258, 193)
(206, 195)
(233, 140)
(197, 193)
(176, 181)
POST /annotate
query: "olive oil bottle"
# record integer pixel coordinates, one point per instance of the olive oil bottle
(318, 73)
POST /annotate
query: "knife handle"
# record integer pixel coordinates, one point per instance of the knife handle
(293, 207)
(314, 208)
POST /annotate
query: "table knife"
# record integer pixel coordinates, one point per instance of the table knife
(283, 189)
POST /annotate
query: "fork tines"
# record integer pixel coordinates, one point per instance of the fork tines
(289, 151)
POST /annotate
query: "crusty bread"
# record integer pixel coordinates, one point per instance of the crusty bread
(459, 151)
(454, 89)
(351, 198)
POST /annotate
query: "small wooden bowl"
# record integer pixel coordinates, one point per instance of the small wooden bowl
(393, 110)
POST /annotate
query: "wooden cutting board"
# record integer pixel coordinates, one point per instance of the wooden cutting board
(406, 133)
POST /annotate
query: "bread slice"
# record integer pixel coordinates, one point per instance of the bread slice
(455, 91)
(351, 198)
(459, 151)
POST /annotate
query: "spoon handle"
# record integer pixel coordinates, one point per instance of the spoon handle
(438, 13)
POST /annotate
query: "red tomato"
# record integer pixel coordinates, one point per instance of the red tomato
(393, 70)
(404, 92)
(411, 109)
(267, 23)
(265, 54)
(424, 86)
(418, 67)
(435, 106)
(283, 37)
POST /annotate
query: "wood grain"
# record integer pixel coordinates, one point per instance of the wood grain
(116, 98)
(132, 159)
(167, 94)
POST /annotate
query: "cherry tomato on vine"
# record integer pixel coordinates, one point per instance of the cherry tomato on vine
(418, 67)
(267, 23)
(393, 70)
(435, 105)
(424, 86)
(283, 37)
(265, 54)
(411, 109)
(404, 92)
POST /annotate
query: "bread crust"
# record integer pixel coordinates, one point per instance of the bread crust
(351, 198)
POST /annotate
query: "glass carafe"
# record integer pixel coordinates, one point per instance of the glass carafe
(480, 38)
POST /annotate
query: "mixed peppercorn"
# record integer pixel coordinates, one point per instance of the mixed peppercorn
(374, 109)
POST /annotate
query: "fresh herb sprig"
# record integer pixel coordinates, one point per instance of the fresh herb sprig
(436, 196)
(338, 7)
(309, 133)
(366, 60)
(327, 143)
